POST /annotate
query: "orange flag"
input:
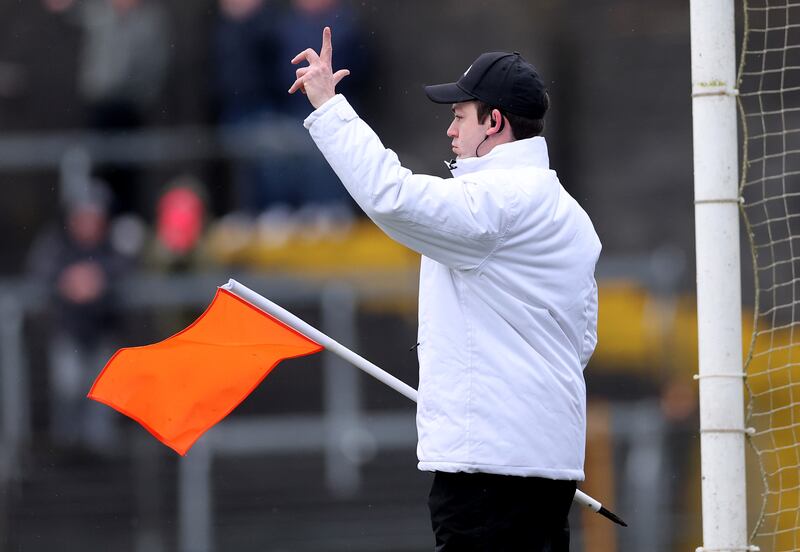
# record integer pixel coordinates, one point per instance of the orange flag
(179, 388)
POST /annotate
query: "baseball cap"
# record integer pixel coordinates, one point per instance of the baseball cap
(500, 79)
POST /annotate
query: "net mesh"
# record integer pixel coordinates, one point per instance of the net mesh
(769, 85)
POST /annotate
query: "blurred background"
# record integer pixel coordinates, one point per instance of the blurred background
(149, 151)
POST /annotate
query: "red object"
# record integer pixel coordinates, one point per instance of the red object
(181, 387)
(180, 219)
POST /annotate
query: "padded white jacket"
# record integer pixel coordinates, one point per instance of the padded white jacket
(507, 298)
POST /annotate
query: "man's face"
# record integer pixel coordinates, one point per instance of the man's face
(124, 6)
(86, 225)
(465, 130)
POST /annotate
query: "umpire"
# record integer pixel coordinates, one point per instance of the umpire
(507, 299)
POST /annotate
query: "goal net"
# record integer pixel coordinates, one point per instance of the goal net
(769, 95)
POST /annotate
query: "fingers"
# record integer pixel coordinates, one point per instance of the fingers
(326, 52)
(299, 80)
(298, 85)
(339, 75)
(308, 55)
(317, 79)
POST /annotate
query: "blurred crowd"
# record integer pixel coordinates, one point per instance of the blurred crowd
(110, 222)
(124, 63)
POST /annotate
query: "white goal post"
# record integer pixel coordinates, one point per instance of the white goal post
(716, 190)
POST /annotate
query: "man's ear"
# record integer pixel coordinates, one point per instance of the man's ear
(496, 122)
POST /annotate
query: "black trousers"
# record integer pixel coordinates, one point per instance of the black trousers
(480, 512)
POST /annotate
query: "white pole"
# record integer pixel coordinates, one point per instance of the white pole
(333, 346)
(718, 276)
(312, 333)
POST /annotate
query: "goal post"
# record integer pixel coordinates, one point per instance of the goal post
(716, 192)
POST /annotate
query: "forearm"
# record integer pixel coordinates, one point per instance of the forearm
(371, 173)
(426, 213)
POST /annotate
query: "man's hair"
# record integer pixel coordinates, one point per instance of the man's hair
(521, 127)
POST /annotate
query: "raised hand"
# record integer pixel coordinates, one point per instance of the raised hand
(317, 80)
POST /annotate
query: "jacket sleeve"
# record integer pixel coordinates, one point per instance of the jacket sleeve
(453, 221)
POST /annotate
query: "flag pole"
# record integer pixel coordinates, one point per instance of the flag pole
(261, 302)
(311, 332)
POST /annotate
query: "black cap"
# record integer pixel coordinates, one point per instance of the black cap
(499, 79)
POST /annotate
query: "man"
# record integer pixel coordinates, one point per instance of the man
(77, 265)
(123, 67)
(507, 305)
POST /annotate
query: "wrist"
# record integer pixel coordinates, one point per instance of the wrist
(322, 100)
(321, 112)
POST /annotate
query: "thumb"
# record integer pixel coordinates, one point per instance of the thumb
(339, 75)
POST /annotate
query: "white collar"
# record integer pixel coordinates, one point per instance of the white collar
(531, 152)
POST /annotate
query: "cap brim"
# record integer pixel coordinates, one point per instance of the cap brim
(447, 93)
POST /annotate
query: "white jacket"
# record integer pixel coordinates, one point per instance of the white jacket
(507, 299)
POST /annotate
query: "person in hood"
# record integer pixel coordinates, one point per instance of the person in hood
(75, 263)
(507, 299)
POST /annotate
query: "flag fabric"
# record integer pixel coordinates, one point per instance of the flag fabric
(179, 388)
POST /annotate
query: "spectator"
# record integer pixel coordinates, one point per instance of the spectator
(300, 27)
(244, 60)
(122, 70)
(252, 42)
(244, 87)
(306, 178)
(180, 223)
(77, 265)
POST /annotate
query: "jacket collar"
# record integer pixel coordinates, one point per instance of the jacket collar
(531, 152)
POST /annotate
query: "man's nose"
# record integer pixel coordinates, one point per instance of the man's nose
(451, 131)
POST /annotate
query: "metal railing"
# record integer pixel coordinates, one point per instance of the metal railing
(23, 151)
